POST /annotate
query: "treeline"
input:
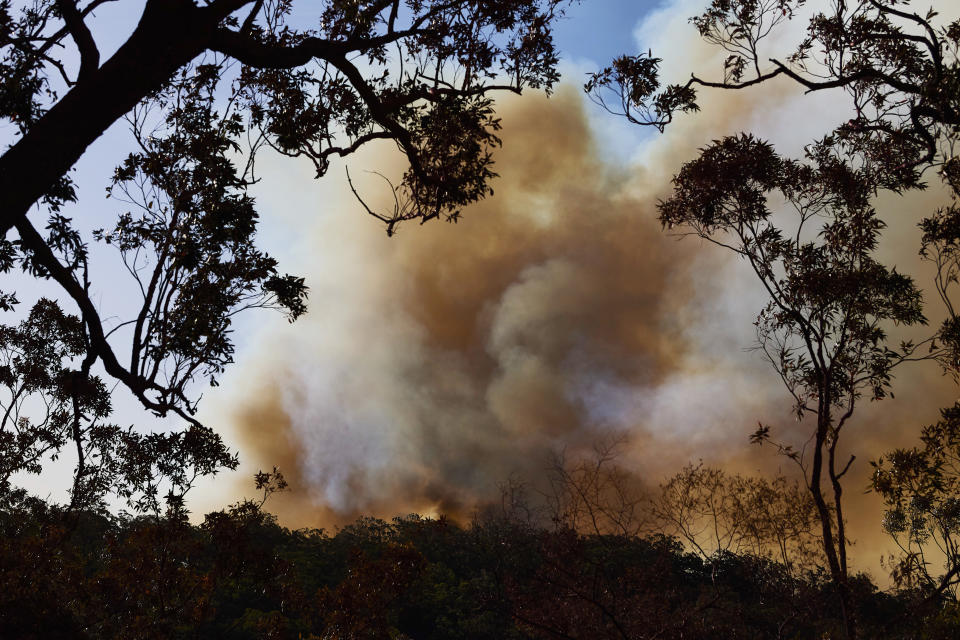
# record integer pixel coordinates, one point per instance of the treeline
(240, 574)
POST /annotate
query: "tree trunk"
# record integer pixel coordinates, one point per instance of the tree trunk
(838, 569)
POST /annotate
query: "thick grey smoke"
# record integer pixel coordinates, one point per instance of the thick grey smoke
(436, 364)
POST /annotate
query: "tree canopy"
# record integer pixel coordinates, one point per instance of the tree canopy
(823, 327)
(204, 86)
(240, 574)
(831, 303)
(899, 67)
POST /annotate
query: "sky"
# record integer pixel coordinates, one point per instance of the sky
(437, 364)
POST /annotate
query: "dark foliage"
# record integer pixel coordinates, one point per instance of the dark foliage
(830, 301)
(205, 86)
(921, 489)
(899, 66)
(823, 329)
(239, 574)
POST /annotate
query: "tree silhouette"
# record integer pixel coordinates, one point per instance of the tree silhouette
(822, 329)
(901, 70)
(47, 407)
(716, 513)
(920, 487)
(204, 87)
(240, 574)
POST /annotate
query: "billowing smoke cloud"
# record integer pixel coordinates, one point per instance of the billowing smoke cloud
(437, 364)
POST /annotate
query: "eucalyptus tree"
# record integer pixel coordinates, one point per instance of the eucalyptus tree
(205, 85)
(823, 329)
(899, 67)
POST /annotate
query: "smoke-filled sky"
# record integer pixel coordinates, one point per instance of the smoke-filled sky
(436, 364)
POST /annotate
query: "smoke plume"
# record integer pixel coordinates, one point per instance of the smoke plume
(436, 364)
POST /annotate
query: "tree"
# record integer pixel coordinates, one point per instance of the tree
(592, 493)
(204, 87)
(47, 406)
(822, 329)
(921, 485)
(901, 70)
(239, 574)
(921, 488)
(717, 514)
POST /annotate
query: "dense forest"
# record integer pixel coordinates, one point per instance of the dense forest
(240, 574)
